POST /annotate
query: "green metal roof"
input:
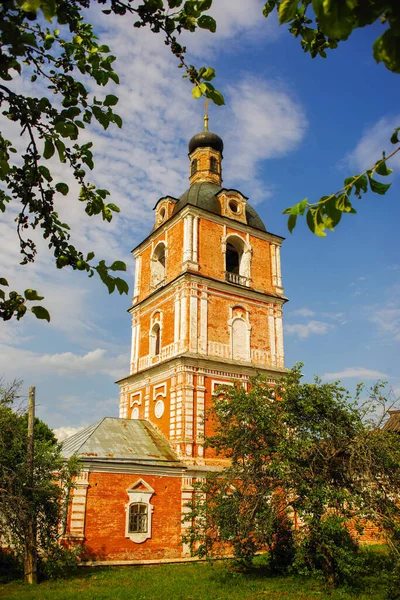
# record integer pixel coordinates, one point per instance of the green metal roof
(204, 195)
(115, 439)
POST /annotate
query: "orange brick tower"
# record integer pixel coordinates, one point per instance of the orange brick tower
(207, 304)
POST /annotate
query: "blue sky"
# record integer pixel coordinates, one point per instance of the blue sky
(292, 127)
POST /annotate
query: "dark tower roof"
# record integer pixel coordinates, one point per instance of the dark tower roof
(204, 195)
(206, 139)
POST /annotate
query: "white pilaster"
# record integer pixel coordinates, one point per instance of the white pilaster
(195, 239)
(183, 332)
(133, 347)
(187, 238)
(193, 320)
(272, 334)
(138, 265)
(278, 267)
(273, 265)
(147, 402)
(203, 324)
(279, 338)
(78, 505)
(200, 393)
(177, 318)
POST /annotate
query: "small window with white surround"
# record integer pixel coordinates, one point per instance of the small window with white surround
(139, 512)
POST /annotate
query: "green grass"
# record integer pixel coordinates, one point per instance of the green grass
(197, 581)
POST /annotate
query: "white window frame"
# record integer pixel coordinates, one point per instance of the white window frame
(140, 493)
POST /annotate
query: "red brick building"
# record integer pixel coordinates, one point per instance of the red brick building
(206, 311)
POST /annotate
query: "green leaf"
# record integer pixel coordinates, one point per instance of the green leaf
(122, 286)
(343, 203)
(287, 10)
(269, 7)
(31, 6)
(118, 265)
(382, 169)
(117, 119)
(48, 149)
(207, 22)
(378, 187)
(90, 256)
(62, 188)
(3, 281)
(40, 313)
(208, 74)
(48, 8)
(110, 100)
(114, 207)
(196, 92)
(203, 5)
(61, 150)
(395, 136)
(335, 18)
(292, 222)
(297, 209)
(32, 295)
(215, 96)
(44, 171)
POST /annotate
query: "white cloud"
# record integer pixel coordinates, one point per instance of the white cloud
(62, 433)
(375, 140)
(355, 372)
(96, 362)
(387, 319)
(307, 329)
(303, 312)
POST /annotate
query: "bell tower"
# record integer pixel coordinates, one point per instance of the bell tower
(207, 304)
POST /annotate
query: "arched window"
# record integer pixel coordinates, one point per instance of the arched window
(193, 166)
(232, 259)
(138, 518)
(213, 165)
(157, 266)
(155, 340)
(237, 260)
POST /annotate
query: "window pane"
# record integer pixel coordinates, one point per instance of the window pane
(138, 518)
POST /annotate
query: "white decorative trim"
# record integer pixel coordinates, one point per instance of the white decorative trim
(195, 239)
(138, 401)
(160, 390)
(142, 496)
(203, 337)
(272, 334)
(177, 318)
(193, 321)
(183, 322)
(216, 382)
(159, 409)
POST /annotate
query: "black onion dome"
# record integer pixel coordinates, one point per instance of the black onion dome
(206, 139)
(204, 195)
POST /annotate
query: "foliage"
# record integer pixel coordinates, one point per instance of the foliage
(42, 499)
(322, 25)
(65, 58)
(297, 448)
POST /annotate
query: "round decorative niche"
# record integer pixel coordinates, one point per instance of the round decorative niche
(135, 413)
(234, 207)
(162, 213)
(159, 409)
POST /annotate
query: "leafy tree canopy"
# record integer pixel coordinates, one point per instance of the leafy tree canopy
(22, 498)
(49, 40)
(302, 453)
